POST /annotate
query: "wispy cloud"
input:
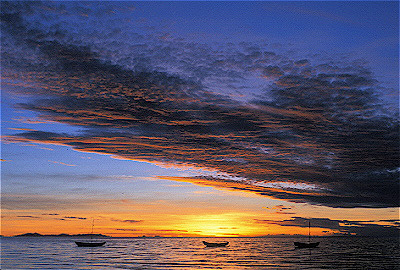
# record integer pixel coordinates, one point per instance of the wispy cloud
(48, 202)
(281, 210)
(128, 220)
(72, 217)
(345, 227)
(62, 163)
(132, 221)
(28, 217)
(25, 129)
(26, 120)
(310, 123)
(299, 9)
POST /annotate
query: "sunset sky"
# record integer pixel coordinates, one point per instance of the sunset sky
(200, 118)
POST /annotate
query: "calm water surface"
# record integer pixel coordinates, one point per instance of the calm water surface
(190, 253)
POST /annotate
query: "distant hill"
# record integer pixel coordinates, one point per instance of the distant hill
(87, 235)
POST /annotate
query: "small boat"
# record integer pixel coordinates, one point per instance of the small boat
(307, 244)
(219, 244)
(91, 243)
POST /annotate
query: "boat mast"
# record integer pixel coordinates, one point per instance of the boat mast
(309, 236)
(91, 234)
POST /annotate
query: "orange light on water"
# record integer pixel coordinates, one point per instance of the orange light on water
(223, 225)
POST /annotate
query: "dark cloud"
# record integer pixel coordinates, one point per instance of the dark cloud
(301, 63)
(131, 221)
(127, 230)
(390, 220)
(281, 209)
(345, 227)
(272, 72)
(284, 213)
(127, 220)
(74, 217)
(313, 132)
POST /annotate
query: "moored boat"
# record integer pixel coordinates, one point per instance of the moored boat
(218, 244)
(306, 245)
(89, 244)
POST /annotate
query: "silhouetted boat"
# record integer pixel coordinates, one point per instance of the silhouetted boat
(91, 243)
(219, 244)
(307, 244)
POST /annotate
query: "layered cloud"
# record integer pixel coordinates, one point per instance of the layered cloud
(345, 227)
(71, 217)
(294, 129)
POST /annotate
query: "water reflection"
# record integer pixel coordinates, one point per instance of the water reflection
(184, 253)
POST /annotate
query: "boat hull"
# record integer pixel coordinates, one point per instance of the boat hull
(89, 244)
(306, 245)
(221, 244)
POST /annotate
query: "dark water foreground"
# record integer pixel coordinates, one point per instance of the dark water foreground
(190, 253)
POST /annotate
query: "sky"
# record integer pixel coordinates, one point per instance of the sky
(200, 118)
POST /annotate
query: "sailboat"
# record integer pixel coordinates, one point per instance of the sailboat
(91, 243)
(215, 244)
(308, 244)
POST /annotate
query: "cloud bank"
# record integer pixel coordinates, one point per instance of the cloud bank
(344, 227)
(301, 130)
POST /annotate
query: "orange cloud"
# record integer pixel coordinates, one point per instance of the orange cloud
(62, 163)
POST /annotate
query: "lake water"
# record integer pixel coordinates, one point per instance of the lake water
(190, 253)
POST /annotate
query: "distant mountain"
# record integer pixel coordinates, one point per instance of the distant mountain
(29, 234)
(86, 235)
